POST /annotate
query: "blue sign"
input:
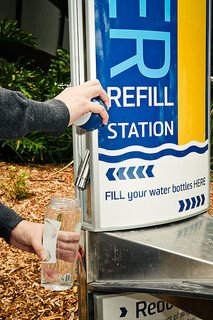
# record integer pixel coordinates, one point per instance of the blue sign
(136, 52)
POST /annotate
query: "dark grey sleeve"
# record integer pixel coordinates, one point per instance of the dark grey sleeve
(19, 115)
(8, 220)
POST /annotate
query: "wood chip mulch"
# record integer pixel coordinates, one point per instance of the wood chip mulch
(21, 296)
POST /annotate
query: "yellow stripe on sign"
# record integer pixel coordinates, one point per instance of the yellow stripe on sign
(191, 70)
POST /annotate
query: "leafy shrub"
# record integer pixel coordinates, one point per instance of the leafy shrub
(37, 147)
(24, 77)
(16, 187)
(58, 74)
(9, 30)
(37, 84)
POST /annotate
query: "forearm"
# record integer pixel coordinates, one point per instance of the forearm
(20, 115)
(8, 220)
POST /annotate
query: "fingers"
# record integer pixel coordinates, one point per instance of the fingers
(38, 249)
(95, 107)
(66, 251)
(80, 253)
(66, 255)
(96, 90)
(36, 235)
(67, 245)
(41, 254)
(27, 236)
(68, 236)
(78, 100)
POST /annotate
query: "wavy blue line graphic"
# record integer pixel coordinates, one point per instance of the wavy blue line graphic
(152, 156)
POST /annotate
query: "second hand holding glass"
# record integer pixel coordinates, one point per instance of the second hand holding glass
(61, 243)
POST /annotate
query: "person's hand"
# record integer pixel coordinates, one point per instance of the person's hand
(27, 236)
(67, 246)
(78, 100)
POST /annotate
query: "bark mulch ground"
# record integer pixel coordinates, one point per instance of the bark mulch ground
(21, 296)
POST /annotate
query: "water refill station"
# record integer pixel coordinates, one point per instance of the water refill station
(144, 178)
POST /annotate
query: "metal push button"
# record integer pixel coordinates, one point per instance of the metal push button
(91, 121)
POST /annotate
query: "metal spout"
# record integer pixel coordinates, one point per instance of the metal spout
(83, 172)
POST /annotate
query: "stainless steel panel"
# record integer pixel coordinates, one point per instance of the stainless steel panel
(179, 256)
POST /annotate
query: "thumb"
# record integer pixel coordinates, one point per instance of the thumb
(39, 250)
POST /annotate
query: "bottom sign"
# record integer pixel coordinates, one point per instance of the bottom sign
(137, 193)
(136, 306)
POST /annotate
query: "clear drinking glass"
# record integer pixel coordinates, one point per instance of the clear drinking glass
(61, 238)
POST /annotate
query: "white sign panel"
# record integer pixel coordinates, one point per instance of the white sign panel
(137, 306)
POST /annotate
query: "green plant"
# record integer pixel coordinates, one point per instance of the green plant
(16, 186)
(58, 74)
(59, 70)
(22, 75)
(9, 30)
(38, 147)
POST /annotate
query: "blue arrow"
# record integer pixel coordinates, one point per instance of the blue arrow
(193, 202)
(120, 173)
(198, 201)
(188, 204)
(109, 174)
(202, 199)
(130, 173)
(149, 171)
(182, 205)
(139, 172)
(123, 312)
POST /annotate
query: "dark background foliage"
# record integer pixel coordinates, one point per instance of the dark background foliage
(38, 83)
